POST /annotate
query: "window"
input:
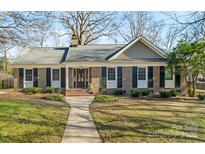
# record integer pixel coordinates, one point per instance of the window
(111, 73)
(29, 76)
(141, 73)
(168, 74)
(56, 75)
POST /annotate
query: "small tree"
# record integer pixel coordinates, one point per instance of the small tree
(189, 58)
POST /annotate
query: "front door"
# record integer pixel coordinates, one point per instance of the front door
(80, 78)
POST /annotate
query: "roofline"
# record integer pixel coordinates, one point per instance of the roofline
(145, 41)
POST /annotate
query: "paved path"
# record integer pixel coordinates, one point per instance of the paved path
(80, 126)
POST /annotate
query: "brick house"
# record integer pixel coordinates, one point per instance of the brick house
(138, 64)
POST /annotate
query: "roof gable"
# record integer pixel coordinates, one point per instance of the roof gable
(138, 48)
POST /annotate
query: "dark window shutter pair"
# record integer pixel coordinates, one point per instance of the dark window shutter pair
(63, 78)
(21, 77)
(119, 77)
(35, 77)
(104, 74)
(162, 76)
(150, 76)
(134, 77)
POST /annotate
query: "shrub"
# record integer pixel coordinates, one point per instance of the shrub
(105, 98)
(54, 97)
(59, 90)
(118, 92)
(164, 94)
(49, 90)
(168, 93)
(201, 97)
(135, 93)
(102, 91)
(32, 90)
(174, 93)
(145, 92)
(140, 92)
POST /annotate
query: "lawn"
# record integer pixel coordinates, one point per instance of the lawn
(152, 120)
(32, 120)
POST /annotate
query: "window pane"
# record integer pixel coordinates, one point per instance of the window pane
(168, 74)
(141, 73)
(111, 73)
(29, 75)
(56, 76)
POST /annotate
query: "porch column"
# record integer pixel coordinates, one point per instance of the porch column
(67, 78)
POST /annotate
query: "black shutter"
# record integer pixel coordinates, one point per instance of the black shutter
(104, 74)
(150, 76)
(35, 77)
(63, 78)
(177, 78)
(119, 77)
(48, 77)
(162, 76)
(134, 77)
(21, 75)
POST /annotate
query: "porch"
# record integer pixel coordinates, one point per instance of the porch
(79, 80)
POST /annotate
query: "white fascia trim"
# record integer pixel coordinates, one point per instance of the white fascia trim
(151, 46)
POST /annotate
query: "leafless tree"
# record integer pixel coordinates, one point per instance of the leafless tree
(141, 23)
(88, 26)
(192, 24)
(21, 29)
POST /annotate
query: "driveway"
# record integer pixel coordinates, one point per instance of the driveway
(4, 91)
(80, 126)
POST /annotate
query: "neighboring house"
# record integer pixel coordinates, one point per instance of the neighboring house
(6, 80)
(201, 82)
(4, 75)
(138, 64)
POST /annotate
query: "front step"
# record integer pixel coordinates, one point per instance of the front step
(77, 92)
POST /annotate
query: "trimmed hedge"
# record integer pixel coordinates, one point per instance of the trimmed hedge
(168, 93)
(55, 97)
(140, 92)
(201, 97)
(32, 90)
(105, 98)
(118, 92)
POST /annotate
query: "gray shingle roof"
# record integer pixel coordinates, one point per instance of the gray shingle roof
(92, 52)
(142, 59)
(43, 56)
(97, 52)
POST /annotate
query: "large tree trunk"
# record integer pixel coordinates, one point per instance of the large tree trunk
(188, 83)
(193, 89)
(5, 61)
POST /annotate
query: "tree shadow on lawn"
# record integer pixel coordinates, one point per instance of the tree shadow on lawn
(33, 136)
(156, 99)
(152, 125)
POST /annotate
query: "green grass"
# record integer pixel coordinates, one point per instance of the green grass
(55, 97)
(26, 121)
(153, 120)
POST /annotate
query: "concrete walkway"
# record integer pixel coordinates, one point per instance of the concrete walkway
(80, 126)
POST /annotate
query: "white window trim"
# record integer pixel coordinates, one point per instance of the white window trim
(26, 83)
(111, 81)
(145, 73)
(59, 75)
(25, 75)
(172, 75)
(146, 76)
(115, 73)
